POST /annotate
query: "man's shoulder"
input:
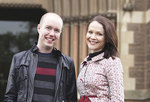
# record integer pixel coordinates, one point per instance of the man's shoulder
(20, 54)
(68, 62)
(66, 57)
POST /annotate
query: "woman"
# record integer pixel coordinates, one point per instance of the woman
(101, 73)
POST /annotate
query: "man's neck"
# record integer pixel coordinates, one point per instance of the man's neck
(45, 49)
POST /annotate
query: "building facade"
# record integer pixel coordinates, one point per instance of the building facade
(132, 20)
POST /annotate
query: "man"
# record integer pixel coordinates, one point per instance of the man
(42, 73)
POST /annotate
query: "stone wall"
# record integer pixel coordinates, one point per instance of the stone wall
(138, 22)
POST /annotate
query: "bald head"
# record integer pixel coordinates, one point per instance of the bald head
(49, 30)
(52, 16)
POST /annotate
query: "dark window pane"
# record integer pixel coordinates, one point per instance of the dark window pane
(15, 36)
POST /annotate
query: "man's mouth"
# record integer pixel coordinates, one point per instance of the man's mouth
(49, 39)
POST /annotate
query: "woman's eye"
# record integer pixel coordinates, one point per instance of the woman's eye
(90, 32)
(99, 34)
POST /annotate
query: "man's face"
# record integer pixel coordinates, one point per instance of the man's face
(49, 32)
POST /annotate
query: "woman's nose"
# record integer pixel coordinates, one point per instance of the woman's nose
(93, 36)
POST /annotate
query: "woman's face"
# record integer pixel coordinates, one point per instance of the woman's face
(95, 37)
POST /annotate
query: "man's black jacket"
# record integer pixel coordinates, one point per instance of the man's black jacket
(20, 85)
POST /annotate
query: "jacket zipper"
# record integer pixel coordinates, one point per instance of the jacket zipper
(57, 89)
(34, 74)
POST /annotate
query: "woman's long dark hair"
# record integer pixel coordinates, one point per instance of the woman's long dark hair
(111, 41)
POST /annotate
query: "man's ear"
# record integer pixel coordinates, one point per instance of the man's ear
(38, 28)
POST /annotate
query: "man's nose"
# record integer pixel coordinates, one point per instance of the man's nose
(52, 32)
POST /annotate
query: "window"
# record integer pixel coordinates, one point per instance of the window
(17, 33)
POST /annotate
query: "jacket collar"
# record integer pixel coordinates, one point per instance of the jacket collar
(34, 48)
(98, 57)
(94, 59)
(25, 60)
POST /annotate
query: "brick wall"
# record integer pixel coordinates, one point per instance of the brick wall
(138, 49)
(148, 54)
(140, 5)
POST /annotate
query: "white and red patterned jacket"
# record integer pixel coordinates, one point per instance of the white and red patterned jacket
(102, 78)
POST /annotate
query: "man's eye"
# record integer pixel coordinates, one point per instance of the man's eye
(49, 28)
(57, 30)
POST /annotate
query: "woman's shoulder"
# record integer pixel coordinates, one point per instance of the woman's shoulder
(112, 59)
(113, 63)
